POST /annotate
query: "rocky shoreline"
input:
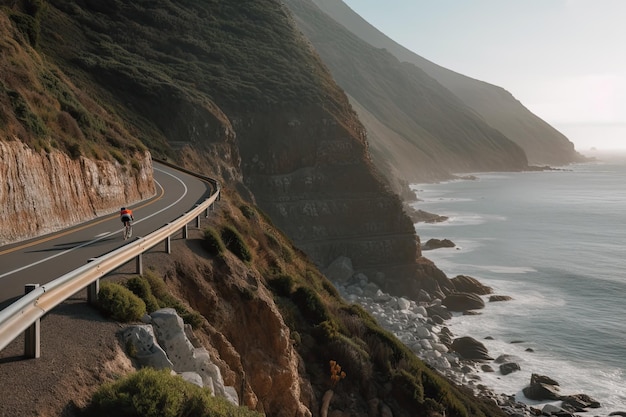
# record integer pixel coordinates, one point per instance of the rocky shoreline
(420, 325)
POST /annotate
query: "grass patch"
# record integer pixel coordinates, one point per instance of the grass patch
(141, 288)
(156, 393)
(235, 243)
(213, 242)
(311, 305)
(119, 303)
(282, 285)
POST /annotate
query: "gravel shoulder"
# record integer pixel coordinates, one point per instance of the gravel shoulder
(80, 350)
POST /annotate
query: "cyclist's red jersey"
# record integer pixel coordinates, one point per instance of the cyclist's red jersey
(127, 212)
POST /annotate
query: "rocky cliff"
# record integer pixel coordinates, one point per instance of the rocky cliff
(44, 192)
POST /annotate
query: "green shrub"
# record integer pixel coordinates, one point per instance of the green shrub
(407, 387)
(326, 331)
(193, 318)
(331, 289)
(247, 211)
(135, 165)
(22, 111)
(28, 25)
(213, 242)
(311, 306)
(234, 242)
(141, 288)
(120, 303)
(282, 285)
(117, 155)
(73, 149)
(156, 393)
(157, 286)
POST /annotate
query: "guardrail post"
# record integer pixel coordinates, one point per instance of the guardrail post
(32, 335)
(198, 222)
(139, 263)
(93, 289)
(168, 245)
(185, 232)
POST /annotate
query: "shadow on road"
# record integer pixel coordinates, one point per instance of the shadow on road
(72, 245)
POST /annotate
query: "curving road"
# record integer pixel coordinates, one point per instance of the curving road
(43, 259)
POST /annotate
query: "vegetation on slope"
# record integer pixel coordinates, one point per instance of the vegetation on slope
(324, 329)
(41, 107)
(157, 393)
(153, 59)
(323, 326)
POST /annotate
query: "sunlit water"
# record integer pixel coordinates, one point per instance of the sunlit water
(555, 242)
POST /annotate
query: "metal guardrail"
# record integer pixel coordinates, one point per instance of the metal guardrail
(25, 313)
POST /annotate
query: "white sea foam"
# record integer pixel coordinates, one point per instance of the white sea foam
(554, 242)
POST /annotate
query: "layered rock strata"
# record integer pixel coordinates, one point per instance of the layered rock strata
(44, 192)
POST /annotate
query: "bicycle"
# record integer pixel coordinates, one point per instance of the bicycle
(127, 232)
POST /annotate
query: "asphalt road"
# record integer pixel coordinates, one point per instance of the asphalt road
(43, 259)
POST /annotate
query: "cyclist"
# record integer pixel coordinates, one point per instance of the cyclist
(126, 215)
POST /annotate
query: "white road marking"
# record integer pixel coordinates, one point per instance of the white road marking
(107, 234)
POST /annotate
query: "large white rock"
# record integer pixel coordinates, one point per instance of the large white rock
(146, 349)
(193, 378)
(340, 270)
(170, 332)
(403, 303)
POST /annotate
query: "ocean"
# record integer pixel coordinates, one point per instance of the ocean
(555, 242)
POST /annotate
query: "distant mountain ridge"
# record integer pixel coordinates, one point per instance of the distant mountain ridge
(543, 144)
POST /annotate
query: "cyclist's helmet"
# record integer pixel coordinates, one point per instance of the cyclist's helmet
(123, 208)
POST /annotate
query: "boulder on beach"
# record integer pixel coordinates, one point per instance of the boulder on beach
(464, 283)
(495, 298)
(541, 392)
(579, 402)
(340, 270)
(463, 301)
(542, 388)
(542, 379)
(504, 358)
(439, 310)
(509, 367)
(470, 349)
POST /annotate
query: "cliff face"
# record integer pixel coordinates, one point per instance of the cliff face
(309, 171)
(260, 361)
(45, 192)
(541, 142)
(57, 165)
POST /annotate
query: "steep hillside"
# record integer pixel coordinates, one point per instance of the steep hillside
(446, 135)
(64, 158)
(235, 91)
(542, 143)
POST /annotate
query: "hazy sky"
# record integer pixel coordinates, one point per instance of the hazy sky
(565, 60)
